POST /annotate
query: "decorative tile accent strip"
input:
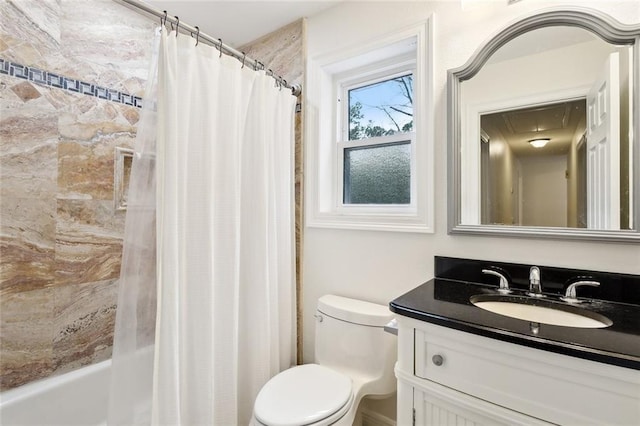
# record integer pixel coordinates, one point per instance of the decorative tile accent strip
(54, 80)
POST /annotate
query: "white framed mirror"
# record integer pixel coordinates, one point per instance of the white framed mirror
(543, 124)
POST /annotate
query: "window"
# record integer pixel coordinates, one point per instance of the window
(375, 148)
(368, 125)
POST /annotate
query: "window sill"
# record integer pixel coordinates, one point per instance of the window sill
(368, 222)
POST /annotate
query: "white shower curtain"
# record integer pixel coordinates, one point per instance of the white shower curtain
(225, 318)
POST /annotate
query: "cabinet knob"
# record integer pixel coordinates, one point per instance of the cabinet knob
(438, 360)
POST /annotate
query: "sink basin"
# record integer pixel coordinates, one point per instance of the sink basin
(542, 311)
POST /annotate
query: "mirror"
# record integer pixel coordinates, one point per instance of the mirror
(541, 124)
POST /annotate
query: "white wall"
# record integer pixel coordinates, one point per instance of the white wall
(379, 266)
(541, 74)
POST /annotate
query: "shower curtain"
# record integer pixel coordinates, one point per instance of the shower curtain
(224, 243)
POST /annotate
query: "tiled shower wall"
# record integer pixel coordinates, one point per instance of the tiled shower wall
(60, 234)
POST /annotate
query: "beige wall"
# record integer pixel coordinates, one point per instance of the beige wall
(572, 177)
(379, 266)
(544, 191)
(503, 171)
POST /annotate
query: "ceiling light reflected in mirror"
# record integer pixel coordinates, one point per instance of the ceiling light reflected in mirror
(539, 143)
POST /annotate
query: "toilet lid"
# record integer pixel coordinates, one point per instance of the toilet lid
(302, 395)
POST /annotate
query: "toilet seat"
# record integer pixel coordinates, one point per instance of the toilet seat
(309, 394)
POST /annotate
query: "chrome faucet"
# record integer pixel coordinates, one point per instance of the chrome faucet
(504, 282)
(570, 295)
(535, 289)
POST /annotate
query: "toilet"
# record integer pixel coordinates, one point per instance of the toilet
(354, 358)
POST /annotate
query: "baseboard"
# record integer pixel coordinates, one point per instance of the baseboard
(372, 418)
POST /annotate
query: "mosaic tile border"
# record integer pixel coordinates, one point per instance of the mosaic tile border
(50, 79)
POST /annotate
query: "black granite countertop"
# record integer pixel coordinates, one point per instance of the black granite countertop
(445, 302)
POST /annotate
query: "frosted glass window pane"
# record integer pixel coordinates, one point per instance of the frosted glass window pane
(379, 174)
(381, 109)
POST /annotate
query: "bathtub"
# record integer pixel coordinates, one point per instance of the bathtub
(76, 398)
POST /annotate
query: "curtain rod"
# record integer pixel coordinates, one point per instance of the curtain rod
(296, 89)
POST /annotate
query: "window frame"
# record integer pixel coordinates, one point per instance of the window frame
(323, 131)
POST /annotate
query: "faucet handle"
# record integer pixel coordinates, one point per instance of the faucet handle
(570, 294)
(504, 282)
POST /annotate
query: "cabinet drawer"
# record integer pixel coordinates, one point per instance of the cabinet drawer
(552, 387)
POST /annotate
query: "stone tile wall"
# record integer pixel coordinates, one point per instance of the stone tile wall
(60, 234)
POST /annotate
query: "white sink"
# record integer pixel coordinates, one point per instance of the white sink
(540, 310)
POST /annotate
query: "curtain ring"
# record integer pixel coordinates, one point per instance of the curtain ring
(255, 65)
(165, 19)
(284, 83)
(220, 47)
(244, 56)
(197, 35)
(177, 26)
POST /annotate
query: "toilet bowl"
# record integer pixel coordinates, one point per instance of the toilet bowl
(304, 395)
(354, 358)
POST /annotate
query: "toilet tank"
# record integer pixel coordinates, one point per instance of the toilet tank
(350, 337)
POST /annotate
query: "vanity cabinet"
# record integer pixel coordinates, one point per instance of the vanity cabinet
(446, 376)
